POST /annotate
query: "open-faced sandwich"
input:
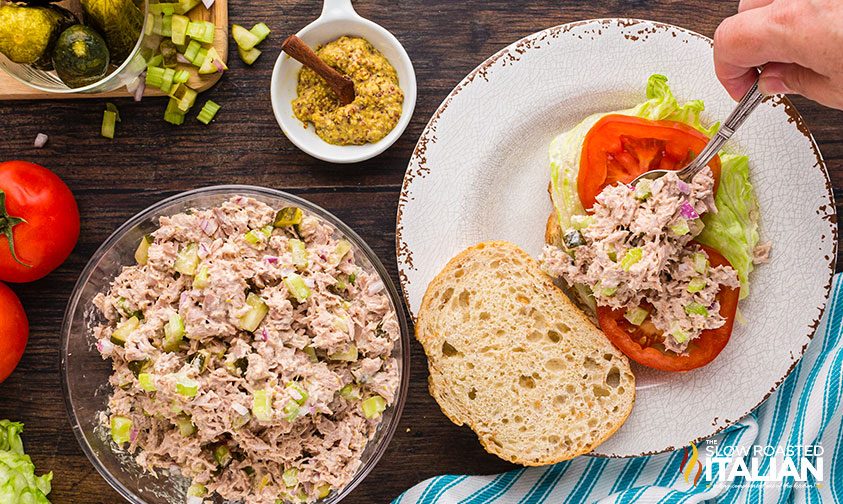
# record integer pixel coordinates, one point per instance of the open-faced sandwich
(662, 263)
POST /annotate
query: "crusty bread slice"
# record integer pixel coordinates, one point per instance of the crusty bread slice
(511, 356)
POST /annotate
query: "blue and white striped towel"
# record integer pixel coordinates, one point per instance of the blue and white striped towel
(804, 411)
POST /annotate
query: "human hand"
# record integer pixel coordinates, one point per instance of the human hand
(799, 43)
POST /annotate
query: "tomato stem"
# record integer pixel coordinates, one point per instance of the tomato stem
(7, 224)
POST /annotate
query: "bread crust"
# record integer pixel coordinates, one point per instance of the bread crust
(545, 284)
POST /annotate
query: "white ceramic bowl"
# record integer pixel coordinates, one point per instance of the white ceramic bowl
(339, 18)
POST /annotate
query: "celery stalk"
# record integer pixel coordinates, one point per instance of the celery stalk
(248, 56)
(253, 318)
(373, 407)
(244, 38)
(262, 405)
(179, 29)
(109, 123)
(208, 112)
(187, 260)
(121, 429)
(297, 288)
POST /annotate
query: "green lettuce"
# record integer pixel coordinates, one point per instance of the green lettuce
(733, 230)
(18, 482)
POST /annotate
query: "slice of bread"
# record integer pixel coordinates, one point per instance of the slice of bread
(512, 357)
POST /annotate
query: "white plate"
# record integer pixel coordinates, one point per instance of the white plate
(480, 172)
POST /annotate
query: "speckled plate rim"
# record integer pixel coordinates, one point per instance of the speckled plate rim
(417, 167)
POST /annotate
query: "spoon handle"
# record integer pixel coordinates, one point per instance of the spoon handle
(745, 107)
(301, 52)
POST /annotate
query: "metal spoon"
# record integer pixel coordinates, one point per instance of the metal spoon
(745, 107)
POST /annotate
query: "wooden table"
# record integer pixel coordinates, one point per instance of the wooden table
(150, 160)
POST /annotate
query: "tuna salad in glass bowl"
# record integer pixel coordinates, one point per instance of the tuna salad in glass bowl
(234, 344)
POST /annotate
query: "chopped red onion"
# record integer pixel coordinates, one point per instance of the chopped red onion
(687, 211)
(133, 435)
(208, 3)
(271, 259)
(219, 65)
(138, 94)
(264, 335)
(240, 409)
(375, 287)
(208, 226)
(195, 500)
(204, 251)
(295, 394)
(181, 59)
(310, 282)
(41, 140)
(683, 187)
(105, 346)
(183, 300)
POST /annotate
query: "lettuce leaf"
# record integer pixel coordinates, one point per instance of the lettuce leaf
(18, 482)
(733, 230)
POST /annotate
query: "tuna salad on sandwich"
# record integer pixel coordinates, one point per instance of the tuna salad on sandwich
(663, 263)
(251, 353)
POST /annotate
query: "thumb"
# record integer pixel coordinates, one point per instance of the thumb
(782, 78)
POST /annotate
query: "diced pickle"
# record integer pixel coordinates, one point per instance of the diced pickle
(142, 252)
(262, 405)
(187, 260)
(185, 425)
(299, 253)
(323, 491)
(343, 248)
(222, 455)
(289, 216)
(290, 477)
(297, 287)
(122, 332)
(373, 407)
(253, 318)
(203, 278)
(139, 366)
(348, 355)
(121, 429)
(173, 333)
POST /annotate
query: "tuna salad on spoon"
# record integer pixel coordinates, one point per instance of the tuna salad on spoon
(251, 353)
(662, 264)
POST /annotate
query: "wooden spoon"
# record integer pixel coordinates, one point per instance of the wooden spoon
(342, 86)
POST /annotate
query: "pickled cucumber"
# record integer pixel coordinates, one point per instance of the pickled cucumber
(29, 33)
(81, 56)
(119, 21)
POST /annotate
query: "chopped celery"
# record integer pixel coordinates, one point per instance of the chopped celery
(181, 77)
(297, 288)
(168, 53)
(187, 387)
(681, 228)
(694, 308)
(352, 278)
(185, 425)
(678, 334)
(172, 114)
(253, 318)
(249, 56)
(202, 31)
(187, 260)
(113, 108)
(147, 382)
(201, 56)
(289, 216)
(109, 123)
(343, 248)
(580, 222)
(697, 284)
(608, 291)
(185, 6)
(202, 278)
(179, 29)
(154, 76)
(122, 332)
(631, 257)
(162, 8)
(262, 405)
(121, 429)
(311, 353)
(373, 406)
(166, 26)
(167, 80)
(244, 38)
(208, 112)
(142, 252)
(154, 24)
(185, 96)
(323, 491)
(297, 392)
(173, 333)
(213, 63)
(350, 392)
(156, 61)
(222, 455)
(192, 50)
(700, 262)
(196, 490)
(350, 354)
(260, 31)
(636, 316)
(643, 189)
(291, 411)
(299, 253)
(291, 477)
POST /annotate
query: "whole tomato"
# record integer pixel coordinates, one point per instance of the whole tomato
(14, 331)
(39, 221)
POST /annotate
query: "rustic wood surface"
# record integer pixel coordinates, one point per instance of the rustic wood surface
(150, 160)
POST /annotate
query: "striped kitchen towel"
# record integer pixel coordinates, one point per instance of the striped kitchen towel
(795, 438)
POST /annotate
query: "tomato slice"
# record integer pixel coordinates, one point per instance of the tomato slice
(618, 148)
(643, 343)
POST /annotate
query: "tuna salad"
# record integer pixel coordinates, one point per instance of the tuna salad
(636, 253)
(251, 352)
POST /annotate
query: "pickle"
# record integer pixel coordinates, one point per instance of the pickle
(119, 21)
(29, 33)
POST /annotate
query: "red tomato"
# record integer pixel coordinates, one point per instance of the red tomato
(39, 221)
(14, 331)
(643, 343)
(618, 148)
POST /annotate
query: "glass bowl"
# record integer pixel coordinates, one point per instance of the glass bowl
(124, 75)
(85, 373)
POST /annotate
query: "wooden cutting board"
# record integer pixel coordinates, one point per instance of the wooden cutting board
(12, 89)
